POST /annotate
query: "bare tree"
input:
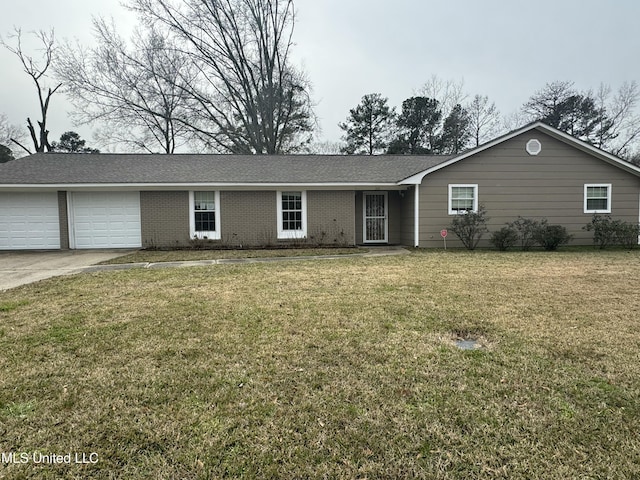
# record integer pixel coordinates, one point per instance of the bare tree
(514, 120)
(8, 131)
(37, 71)
(448, 93)
(137, 91)
(325, 147)
(247, 96)
(624, 121)
(484, 119)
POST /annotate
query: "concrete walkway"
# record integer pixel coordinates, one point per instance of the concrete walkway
(374, 252)
(21, 268)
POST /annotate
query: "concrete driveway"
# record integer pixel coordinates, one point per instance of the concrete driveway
(20, 268)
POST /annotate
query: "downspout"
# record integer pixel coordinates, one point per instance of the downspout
(416, 217)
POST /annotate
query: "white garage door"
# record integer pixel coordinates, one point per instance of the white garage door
(29, 221)
(106, 219)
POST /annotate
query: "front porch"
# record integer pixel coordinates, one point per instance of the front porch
(384, 217)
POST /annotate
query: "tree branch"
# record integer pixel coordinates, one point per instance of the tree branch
(21, 146)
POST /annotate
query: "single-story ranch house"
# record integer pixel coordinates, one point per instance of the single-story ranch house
(61, 201)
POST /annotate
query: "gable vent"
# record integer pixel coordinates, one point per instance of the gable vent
(534, 147)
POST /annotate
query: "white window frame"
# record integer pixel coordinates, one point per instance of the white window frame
(609, 193)
(215, 235)
(475, 197)
(292, 234)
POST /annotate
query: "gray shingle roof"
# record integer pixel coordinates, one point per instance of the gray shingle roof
(63, 169)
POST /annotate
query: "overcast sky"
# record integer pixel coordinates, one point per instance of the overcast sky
(506, 49)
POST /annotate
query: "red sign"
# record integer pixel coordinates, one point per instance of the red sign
(443, 233)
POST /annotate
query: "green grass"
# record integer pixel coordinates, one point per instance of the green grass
(152, 256)
(9, 306)
(330, 369)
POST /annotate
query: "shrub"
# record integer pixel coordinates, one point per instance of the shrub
(604, 229)
(627, 234)
(470, 226)
(550, 237)
(197, 243)
(607, 231)
(504, 238)
(526, 229)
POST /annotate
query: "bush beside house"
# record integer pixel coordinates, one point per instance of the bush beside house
(607, 231)
(470, 226)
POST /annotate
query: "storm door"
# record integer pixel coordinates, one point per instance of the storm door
(375, 218)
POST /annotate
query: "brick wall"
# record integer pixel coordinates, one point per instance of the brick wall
(331, 217)
(247, 218)
(63, 217)
(250, 218)
(165, 219)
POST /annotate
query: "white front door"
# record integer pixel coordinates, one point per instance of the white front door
(375, 224)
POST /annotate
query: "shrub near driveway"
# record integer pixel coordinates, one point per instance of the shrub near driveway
(346, 369)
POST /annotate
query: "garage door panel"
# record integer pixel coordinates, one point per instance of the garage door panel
(29, 221)
(106, 219)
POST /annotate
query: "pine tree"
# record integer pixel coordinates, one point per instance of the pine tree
(369, 126)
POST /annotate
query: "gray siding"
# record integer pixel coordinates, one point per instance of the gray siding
(395, 217)
(408, 223)
(164, 219)
(512, 182)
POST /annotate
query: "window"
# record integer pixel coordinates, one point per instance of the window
(292, 214)
(463, 198)
(597, 198)
(204, 220)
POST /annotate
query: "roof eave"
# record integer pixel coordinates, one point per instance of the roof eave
(207, 185)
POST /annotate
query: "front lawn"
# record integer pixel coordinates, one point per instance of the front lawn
(329, 369)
